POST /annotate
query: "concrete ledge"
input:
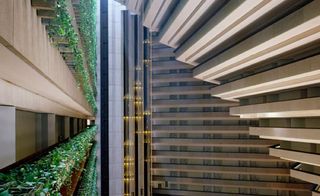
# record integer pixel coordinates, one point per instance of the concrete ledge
(301, 73)
(287, 134)
(236, 183)
(294, 108)
(296, 156)
(296, 30)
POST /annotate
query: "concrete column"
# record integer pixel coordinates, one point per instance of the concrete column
(41, 131)
(75, 126)
(8, 135)
(26, 134)
(79, 125)
(71, 127)
(66, 127)
(52, 133)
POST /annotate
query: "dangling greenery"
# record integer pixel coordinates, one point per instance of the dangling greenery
(88, 184)
(87, 26)
(61, 27)
(47, 175)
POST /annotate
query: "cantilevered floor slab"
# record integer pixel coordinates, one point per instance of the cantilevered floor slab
(287, 134)
(297, 156)
(294, 108)
(236, 183)
(163, 103)
(193, 116)
(301, 73)
(296, 30)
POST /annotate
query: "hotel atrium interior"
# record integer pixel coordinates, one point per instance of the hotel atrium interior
(160, 97)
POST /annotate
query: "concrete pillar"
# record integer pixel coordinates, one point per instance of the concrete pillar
(71, 124)
(8, 135)
(52, 133)
(66, 127)
(79, 125)
(75, 126)
(26, 134)
(84, 122)
(41, 131)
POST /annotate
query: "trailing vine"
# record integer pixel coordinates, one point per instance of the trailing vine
(61, 27)
(88, 182)
(47, 175)
(87, 27)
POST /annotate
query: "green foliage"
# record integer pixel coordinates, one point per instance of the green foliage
(88, 184)
(87, 26)
(61, 26)
(46, 175)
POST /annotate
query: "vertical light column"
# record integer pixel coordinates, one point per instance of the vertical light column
(115, 100)
(8, 135)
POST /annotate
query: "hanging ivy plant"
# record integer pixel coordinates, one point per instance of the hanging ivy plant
(87, 27)
(46, 175)
(61, 27)
(88, 183)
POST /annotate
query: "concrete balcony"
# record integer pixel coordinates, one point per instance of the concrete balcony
(159, 130)
(163, 52)
(188, 15)
(193, 116)
(226, 143)
(156, 12)
(215, 156)
(294, 108)
(158, 103)
(301, 73)
(296, 30)
(178, 90)
(192, 193)
(179, 77)
(287, 134)
(296, 156)
(230, 20)
(305, 176)
(221, 169)
(236, 183)
(169, 65)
